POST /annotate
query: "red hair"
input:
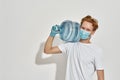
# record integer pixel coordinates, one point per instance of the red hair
(94, 22)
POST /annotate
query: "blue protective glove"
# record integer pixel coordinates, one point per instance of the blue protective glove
(55, 30)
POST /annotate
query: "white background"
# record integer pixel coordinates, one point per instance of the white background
(25, 26)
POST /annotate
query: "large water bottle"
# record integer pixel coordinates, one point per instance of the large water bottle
(69, 31)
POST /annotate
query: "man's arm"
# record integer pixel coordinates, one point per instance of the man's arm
(48, 46)
(100, 74)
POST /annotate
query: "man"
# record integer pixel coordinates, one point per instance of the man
(83, 57)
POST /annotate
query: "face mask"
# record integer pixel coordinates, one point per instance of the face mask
(84, 34)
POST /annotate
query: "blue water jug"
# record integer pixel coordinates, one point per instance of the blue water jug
(69, 31)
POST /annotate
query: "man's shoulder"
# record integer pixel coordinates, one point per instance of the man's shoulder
(98, 50)
(96, 47)
(67, 44)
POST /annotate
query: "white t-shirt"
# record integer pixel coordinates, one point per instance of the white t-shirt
(82, 60)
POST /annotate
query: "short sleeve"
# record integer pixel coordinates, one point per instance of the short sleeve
(99, 60)
(64, 48)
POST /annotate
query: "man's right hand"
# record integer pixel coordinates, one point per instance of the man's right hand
(54, 30)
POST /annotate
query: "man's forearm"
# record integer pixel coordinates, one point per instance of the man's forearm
(100, 74)
(48, 44)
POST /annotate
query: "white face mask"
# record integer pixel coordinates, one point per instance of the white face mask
(84, 34)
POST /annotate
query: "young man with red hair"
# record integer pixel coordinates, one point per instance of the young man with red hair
(83, 57)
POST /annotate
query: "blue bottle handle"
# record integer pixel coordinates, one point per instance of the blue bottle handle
(58, 29)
